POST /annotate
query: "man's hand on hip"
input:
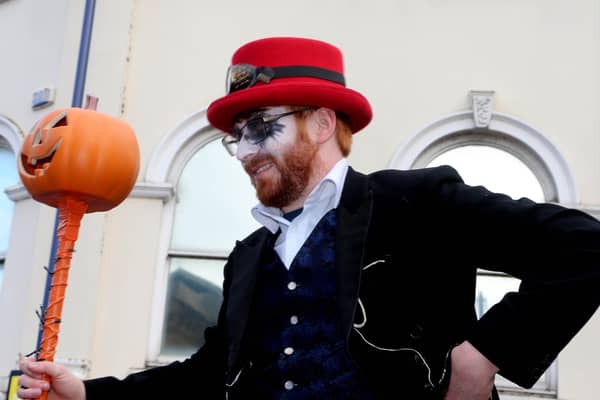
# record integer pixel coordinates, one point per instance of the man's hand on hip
(472, 375)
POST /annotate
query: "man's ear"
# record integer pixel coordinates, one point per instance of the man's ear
(325, 119)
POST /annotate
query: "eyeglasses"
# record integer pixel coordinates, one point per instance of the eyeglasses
(243, 76)
(255, 131)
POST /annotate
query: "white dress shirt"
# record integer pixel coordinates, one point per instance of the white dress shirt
(323, 198)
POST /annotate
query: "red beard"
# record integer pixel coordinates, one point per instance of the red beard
(295, 168)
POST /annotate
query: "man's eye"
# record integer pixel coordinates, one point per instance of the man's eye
(255, 125)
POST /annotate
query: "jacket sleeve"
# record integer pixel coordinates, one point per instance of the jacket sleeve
(203, 372)
(200, 372)
(554, 251)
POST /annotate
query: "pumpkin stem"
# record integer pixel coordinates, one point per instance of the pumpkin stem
(91, 102)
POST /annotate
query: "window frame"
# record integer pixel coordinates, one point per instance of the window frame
(201, 139)
(182, 251)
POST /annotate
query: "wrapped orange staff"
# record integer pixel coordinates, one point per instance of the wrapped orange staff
(78, 161)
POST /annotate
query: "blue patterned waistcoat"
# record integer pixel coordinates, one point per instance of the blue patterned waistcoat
(296, 341)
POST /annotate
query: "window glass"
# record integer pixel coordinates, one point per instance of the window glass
(493, 168)
(8, 177)
(212, 211)
(214, 197)
(491, 288)
(194, 296)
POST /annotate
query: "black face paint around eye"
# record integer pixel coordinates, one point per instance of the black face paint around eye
(259, 126)
(256, 130)
(273, 128)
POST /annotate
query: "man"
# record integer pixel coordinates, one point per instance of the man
(334, 297)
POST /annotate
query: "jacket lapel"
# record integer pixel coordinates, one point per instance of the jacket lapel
(241, 291)
(353, 217)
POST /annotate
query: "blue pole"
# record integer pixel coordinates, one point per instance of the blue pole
(84, 52)
(77, 100)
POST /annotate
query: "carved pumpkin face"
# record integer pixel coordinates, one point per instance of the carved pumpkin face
(45, 139)
(81, 153)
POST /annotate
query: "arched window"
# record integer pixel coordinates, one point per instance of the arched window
(508, 157)
(504, 133)
(208, 213)
(212, 211)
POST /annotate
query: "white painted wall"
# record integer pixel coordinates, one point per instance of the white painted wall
(38, 48)
(125, 287)
(416, 61)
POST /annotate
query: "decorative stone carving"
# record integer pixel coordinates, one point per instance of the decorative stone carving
(483, 107)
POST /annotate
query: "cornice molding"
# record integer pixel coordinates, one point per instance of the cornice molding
(17, 192)
(150, 190)
(143, 190)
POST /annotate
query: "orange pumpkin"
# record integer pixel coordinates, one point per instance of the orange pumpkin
(76, 160)
(82, 154)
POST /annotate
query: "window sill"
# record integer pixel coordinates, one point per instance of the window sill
(525, 394)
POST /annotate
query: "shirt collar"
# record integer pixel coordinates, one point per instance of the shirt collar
(326, 194)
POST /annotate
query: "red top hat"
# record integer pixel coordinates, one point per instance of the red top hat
(291, 71)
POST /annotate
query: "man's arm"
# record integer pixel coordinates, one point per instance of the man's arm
(554, 251)
(202, 369)
(205, 369)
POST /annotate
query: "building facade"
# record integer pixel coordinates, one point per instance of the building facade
(516, 78)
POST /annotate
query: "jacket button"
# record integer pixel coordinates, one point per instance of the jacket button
(288, 385)
(417, 332)
(288, 351)
(294, 319)
(292, 285)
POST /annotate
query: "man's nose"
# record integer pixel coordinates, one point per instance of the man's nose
(246, 150)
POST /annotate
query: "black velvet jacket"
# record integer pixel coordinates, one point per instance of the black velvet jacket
(408, 244)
